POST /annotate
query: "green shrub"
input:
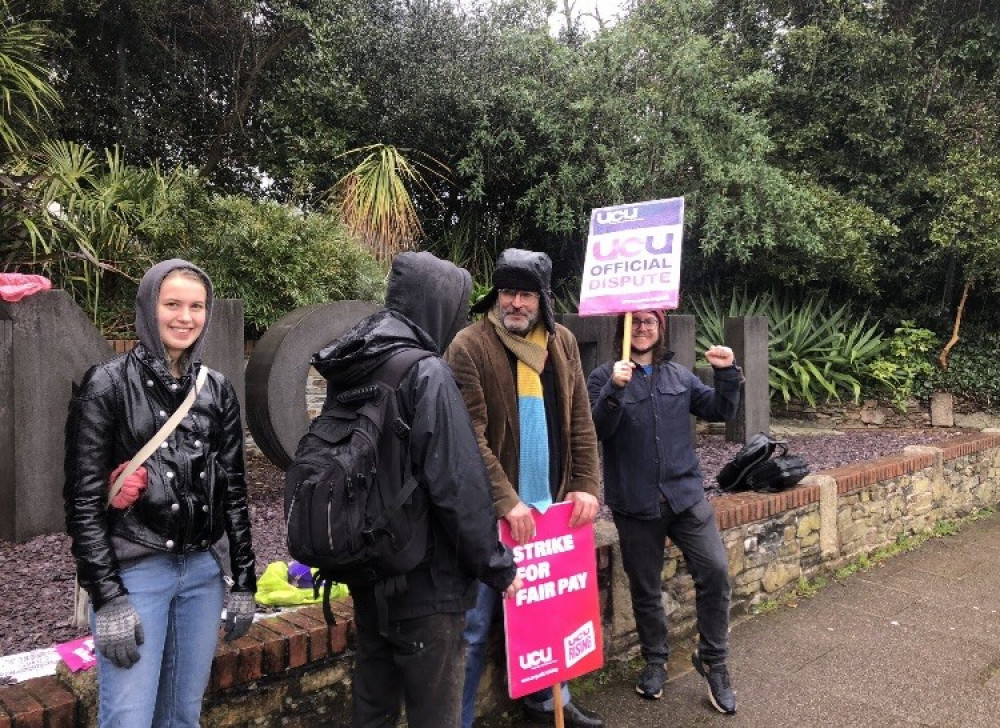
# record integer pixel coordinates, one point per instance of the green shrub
(973, 371)
(566, 295)
(906, 367)
(711, 312)
(479, 291)
(816, 352)
(273, 257)
(82, 219)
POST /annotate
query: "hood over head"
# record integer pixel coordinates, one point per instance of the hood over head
(146, 326)
(427, 303)
(522, 270)
(430, 293)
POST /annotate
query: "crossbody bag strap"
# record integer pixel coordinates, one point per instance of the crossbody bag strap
(162, 434)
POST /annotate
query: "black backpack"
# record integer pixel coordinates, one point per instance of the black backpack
(777, 474)
(352, 506)
(761, 446)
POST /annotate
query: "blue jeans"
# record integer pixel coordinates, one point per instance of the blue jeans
(179, 600)
(696, 535)
(478, 622)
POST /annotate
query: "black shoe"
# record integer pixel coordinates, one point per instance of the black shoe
(651, 681)
(720, 693)
(573, 716)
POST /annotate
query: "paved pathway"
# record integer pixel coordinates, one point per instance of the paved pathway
(913, 642)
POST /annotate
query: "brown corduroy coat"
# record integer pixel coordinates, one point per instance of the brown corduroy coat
(479, 361)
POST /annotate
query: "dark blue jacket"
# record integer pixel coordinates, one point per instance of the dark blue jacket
(645, 430)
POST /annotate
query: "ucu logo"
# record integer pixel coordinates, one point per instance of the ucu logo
(610, 217)
(535, 659)
(609, 249)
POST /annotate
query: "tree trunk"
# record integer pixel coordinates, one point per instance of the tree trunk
(943, 359)
(245, 89)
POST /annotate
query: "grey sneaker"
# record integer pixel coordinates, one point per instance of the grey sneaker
(651, 681)
(720, 692)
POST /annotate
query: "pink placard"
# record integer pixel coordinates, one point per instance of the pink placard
(78, 654)
(553, 623)
(633, 258)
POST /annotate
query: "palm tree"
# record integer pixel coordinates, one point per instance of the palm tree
(375, 202)
(25, 93)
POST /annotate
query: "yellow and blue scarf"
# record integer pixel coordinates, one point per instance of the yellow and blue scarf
(533, 466)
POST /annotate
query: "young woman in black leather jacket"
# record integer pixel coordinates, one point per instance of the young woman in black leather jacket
(150, 560)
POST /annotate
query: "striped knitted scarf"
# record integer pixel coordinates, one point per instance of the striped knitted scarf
(533, 466)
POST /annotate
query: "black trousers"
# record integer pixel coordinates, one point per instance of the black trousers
(695, 533)
(421, 664)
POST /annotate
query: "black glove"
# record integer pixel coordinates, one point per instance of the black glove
(118, 632)
(239, 614)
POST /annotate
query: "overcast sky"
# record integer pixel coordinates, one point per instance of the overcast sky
(607, 9)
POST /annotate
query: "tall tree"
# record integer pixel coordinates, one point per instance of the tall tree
(967, 222)
(169, 80)
(865, 103)
(640, 113)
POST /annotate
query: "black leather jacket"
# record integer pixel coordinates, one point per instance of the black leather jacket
(196, 491)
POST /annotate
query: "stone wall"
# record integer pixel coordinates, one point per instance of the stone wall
(830, 519)
(942, 410)
(47, 343)
(293, 670)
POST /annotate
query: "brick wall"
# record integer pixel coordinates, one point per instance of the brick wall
(293, 670)
(288, 670)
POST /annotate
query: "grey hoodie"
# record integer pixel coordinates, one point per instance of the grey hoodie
(146, 326)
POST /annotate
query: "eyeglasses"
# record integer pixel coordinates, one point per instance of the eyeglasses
(646, 323)
(512, 293)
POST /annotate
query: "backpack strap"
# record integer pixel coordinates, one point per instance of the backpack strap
(393, 369)
(390, 373)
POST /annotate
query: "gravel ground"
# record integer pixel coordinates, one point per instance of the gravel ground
(36, 577)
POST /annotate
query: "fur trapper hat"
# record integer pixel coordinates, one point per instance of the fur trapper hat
(523, 270)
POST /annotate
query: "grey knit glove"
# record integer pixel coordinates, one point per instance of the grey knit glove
(118, 632)
(239, 614)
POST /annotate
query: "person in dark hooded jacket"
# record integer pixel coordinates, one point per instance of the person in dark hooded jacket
(420, 660)
(146, 559)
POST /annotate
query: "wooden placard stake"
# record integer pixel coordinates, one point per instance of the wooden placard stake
(627, 337)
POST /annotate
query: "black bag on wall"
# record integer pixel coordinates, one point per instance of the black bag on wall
(733, 476)
(777, 474)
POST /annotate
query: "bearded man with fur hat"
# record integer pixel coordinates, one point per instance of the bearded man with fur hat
(522, 381)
